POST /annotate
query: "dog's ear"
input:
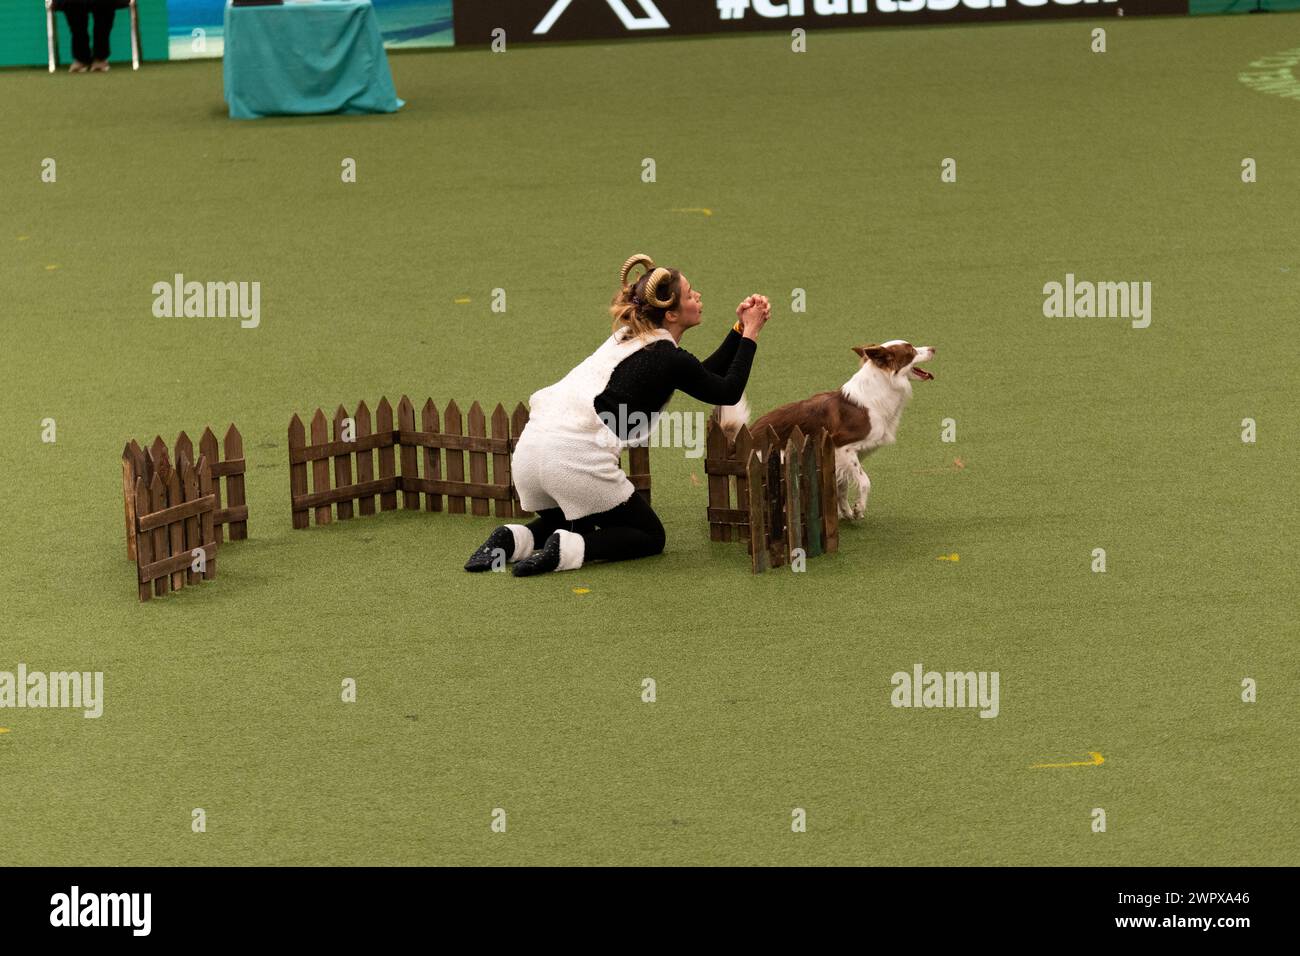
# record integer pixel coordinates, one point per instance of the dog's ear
(874, 353)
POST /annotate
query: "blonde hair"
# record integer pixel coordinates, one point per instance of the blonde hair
(642, 306)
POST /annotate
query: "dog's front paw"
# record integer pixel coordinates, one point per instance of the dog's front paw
(858, 511)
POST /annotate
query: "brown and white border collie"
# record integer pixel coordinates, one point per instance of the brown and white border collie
(861, 416)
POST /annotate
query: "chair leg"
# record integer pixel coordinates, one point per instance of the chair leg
(135, 37)
(51, 37)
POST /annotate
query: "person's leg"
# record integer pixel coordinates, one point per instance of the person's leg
(78, 18)
(547, 522)
(104, 13)
(516, 541)
(630, 530)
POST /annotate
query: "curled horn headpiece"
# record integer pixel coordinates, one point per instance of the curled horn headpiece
(652, 283)
(655, 275)
(640, 259)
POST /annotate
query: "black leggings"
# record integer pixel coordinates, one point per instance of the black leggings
(629, 530)
(78, 16)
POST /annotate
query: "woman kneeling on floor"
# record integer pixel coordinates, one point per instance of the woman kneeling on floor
(566, 463)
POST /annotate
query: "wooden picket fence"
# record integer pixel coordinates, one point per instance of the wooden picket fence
(144, 463)
(443, 441)
(772, 501)
(173, 516)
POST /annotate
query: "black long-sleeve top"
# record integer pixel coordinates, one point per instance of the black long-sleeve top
(645, 380)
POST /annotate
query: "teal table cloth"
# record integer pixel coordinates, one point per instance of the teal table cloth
(305, 58)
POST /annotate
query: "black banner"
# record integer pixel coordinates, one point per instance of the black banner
(537, 20)
(56, 910)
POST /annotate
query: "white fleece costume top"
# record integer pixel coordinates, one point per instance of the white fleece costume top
(567, 457)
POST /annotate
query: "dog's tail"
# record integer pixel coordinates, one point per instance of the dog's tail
(731, 417)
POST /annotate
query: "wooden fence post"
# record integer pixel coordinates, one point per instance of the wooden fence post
(234, 447)
(365, 458)
(183, 447)
(830, 494)
(744, 448)
(792, 492)
(432, 455)
(208, 450)
(501, 462)
(387, 453)
(157, 454)
(775, 505)
(320, 467)
(144, 542)
(160, 546)
(410, 455)
(175, 529)
(715, 458)
(343, 462)
(190, 492)
(756, 476)
(452, 425)
(812, 489)
(206, 530)
(476, 427)
(297, 471)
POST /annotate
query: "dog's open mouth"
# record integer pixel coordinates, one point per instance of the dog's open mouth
(921, 374)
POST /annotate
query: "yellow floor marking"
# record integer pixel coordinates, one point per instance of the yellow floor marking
(948, 557)
(1096, 761)
(23, 238)
(4, 730)
(582, 590)
(702, 209)
(462, 300)
(50, 268)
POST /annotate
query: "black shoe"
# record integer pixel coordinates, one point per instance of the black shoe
(501, 540)
(539, 562)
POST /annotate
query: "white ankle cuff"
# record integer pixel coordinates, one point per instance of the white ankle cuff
(572, 550)
(523, 541)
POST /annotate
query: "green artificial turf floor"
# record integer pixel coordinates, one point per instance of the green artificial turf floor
(821, 171)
